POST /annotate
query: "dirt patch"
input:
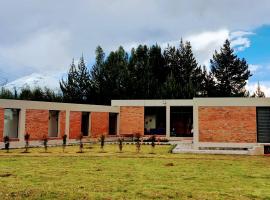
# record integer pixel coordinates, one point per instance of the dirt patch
(5, 175)
(169, 164)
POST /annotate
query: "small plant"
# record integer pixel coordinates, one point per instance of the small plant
(81, 143)
(120, 143)
(45, 142)
(26, 139)
(102, 141)
(64, 137)
(138, 142)
(6, 141)
(153, 144)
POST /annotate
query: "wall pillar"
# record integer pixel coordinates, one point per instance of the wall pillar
(195, 126)
(21, 129)
(67, 123)
(168, 121)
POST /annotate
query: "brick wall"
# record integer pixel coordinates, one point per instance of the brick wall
(99, 123)
(227, 124)
(36, 123)
(131, 120)
(75, 124)
(62, 123)
(1, 124)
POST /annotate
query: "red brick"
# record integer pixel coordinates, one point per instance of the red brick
(227, 124)
(36, 123)
(2, 115)
(99, 123)
(75, 124)
(131, 120)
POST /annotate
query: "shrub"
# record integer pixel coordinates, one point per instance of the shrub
(153, 144)
(102, 141)
(81, 143)
(138, 142)
(120, 143)
(26, 139)
(64, 137)
(45, 142)
(6, 141)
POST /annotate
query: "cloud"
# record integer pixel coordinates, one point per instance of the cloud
(253, 68)
(39, 36)
(265, 87)
(43, 51)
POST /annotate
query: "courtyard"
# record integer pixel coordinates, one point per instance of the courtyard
(109, 174)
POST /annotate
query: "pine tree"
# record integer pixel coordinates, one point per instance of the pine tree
(26, 93)
(77, 87)
(230, 72)
(258, 93)
(97, 76)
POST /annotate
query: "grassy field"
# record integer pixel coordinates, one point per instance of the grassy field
(112, 175)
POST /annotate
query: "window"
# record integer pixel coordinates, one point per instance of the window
(53, 123)
(85, 123)
(11, 122)
(263, 124)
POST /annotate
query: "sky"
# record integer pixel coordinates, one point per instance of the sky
(39, 39)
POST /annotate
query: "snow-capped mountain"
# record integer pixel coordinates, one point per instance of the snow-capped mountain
(36, 80)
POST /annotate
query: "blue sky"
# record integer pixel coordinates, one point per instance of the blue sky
(258, 53)
(38, 38)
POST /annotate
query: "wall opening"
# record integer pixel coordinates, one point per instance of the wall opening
(113, 123)
(53, 123)
(155, 120)
(181, 124)
(85, 123)
(263, 124)
(11, 122)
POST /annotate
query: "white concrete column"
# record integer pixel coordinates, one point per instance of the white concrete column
(21, 130)
(67, 123)
(195, 125)
(168, 121)
(118, 124)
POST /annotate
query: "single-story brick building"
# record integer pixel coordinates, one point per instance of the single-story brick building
(206, 122)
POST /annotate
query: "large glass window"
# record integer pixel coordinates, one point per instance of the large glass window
(113, 123)
(181, 121)
(155, 120)
(11, 122)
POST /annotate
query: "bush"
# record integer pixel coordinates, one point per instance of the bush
(120, 143)
(64, 137)
(26, 139)
(6, 141)
(81, 143)
(138, 142)
(102, 141)
(45, 142)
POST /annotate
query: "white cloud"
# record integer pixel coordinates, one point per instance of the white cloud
(239, 40)
(265, 87)
(253, 68)
(44, 51)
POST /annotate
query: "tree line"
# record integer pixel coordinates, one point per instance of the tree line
(148, 72)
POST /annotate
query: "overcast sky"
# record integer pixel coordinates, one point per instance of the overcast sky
(38, 38)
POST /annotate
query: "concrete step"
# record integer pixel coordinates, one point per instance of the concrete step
(188, 148)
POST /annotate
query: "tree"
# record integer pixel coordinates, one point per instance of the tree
(97, 76)
(258, 93)
(26, 93)
(230, 72)
(76, 88)
(37, 94)
(208, 88)
(6, 94)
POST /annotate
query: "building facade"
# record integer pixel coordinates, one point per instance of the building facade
(206, 122)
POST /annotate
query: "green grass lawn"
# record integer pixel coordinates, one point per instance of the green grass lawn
(128, 175)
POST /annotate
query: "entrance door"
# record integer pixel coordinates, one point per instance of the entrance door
(263, 124)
